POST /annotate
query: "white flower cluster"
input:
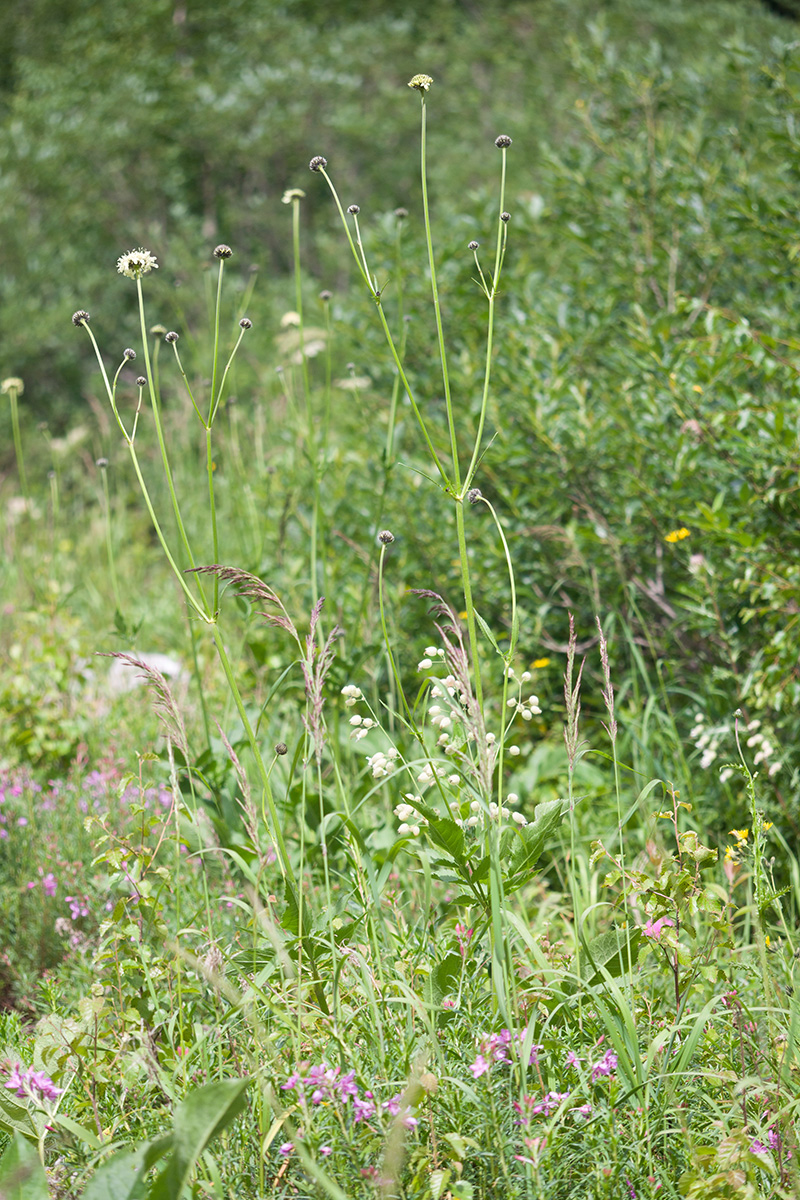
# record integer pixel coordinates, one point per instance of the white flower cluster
(708, 740)
(526, 708)
(136, 263)
(765, 749)
(361, 727)
(495, 812)
(383, 764)
(351, 694)
(431, 652)
(410, 819)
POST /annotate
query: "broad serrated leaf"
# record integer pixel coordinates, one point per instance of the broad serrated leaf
(122, 1176)
(22, 1176)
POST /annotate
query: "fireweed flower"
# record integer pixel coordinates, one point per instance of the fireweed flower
(606, 1066)
(136, 263)
(652, 929)
(28, 1084)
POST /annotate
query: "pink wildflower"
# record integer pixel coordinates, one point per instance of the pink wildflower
(652, 929)
(606, 1066)
(480, 1067)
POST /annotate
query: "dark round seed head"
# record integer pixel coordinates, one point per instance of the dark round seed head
(281, 748)
(317, 162)
(222, 251)
(140, 381)
(505, 217)
(129, 354)
(325, 296)
(102, 463)
(79, 317)
(401, 213)
(473, 245)
(354, 210)
(503, 141)
(246, 323)
(474, 495)
(386, 537)
(171, 337)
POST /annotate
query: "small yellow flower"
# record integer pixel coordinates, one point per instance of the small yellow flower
(741, 834)
(538, 663)
(421, 82)
(766, 941)
(765, 825)
(677, 535)
(697, 388)
(463, 615)
(730, 854)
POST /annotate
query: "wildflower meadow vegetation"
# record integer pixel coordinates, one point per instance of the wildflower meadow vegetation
(399, 769)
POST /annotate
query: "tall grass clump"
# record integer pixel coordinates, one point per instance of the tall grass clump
(371, 920)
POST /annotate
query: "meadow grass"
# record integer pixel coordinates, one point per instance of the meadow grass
(386, 902)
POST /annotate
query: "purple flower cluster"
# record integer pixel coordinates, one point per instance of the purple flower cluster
(533, 1106)
(29, 1084)
(321, 1083)
(607, 1065)
(496, 1047)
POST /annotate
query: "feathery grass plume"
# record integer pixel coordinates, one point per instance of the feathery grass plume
(315, 665)
(164, 706)
(572, 697)
(250, 587)
(608, 693)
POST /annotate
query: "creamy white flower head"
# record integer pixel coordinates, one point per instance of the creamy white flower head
(421, 82)
(12, 384)
(136, 263)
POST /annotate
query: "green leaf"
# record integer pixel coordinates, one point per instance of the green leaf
(14, 1118)
(22, 1175)
(203, 1114)
(122, 1176)
(609, 953)
(486, 631)
(448, 836)
(529, 843)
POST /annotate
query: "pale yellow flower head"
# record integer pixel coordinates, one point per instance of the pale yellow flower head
(421, 82)
(292, 194)
(677, 535)
(136, 263)
(12, 384)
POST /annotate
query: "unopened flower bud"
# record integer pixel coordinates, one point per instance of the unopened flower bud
(474, 495)
(401, 213)
(222, 251)
(129, 354)
(317, 162)
(385, 537)
(281, 749)
(473, 245)
(141, 381)
(246, 323)
(102, 463)
(325, 296)
(422, 83)
(505, 217)
(503, 141)
(354, 210)
(171, 337)
(79, 317)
